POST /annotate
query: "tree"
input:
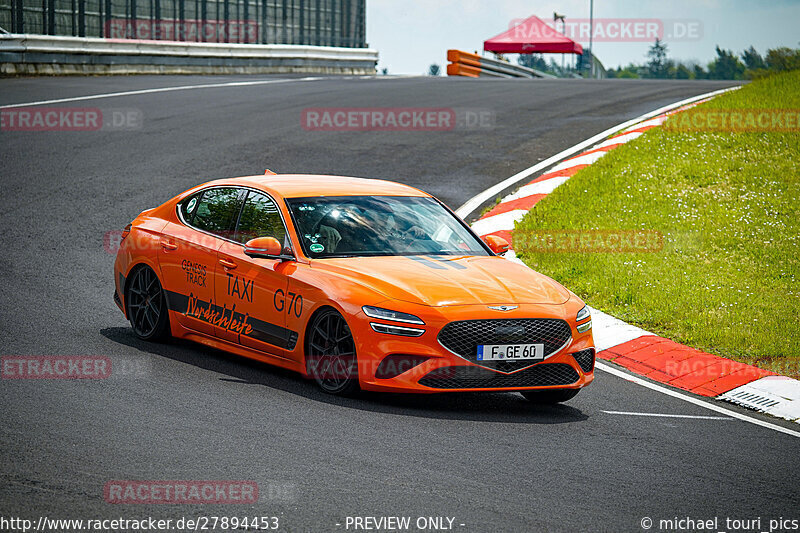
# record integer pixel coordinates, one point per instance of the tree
(657, 64)
(532, 61)
(752, 59)
(783, 59)
(584, 63)
(434, 70)
(682, 72)
(555, 68)
(631, 71)
(726, 66)
(699, 72)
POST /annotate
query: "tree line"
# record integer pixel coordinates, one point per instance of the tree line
(749, 64)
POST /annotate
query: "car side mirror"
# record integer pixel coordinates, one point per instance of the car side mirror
(497, 244)
(264, 247)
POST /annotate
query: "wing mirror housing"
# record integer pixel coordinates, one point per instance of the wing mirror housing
(267, 248)
(497, 244)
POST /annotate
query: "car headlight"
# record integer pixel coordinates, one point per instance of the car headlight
(583, 328)
(396, 330)
(394, 316)
(583, 314)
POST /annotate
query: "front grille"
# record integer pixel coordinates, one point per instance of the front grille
(463, 338)
(585, 359)
(471, 377)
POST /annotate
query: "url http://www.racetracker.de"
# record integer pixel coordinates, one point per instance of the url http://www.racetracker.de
(194, 523)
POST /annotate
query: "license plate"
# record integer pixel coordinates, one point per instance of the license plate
(510, 352)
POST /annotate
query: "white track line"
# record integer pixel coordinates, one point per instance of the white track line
(619, 139)
(540, 187)
(503, 221)
(587, 159)
(160, 90)
(667, 415)
(475, 202)
(702, 403)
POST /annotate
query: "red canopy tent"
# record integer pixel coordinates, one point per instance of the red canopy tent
(532, 36)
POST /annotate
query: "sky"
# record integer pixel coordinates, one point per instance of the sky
(410, 35)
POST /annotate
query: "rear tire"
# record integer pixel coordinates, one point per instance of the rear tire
(551, 396)
(146, 305)
(331, 354)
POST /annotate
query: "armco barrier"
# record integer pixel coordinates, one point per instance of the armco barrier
(45, 54)
(475, 66)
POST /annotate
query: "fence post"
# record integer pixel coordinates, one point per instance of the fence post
(108, 14)
(81, 18)
(245, 23)
(203, 19)
(302, 22)
(318, 32)
(264, 20)
(157, 19)
(181, 19)
(227, 18)
(134, 30)
(51, 17)
(18, 21)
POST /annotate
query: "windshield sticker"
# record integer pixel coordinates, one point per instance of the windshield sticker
(316, 248)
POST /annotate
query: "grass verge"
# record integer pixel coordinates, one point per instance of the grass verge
(728, 207)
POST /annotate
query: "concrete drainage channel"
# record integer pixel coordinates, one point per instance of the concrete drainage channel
(27, 54)
(639, 351)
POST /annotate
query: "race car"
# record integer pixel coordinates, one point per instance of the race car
(355, 283)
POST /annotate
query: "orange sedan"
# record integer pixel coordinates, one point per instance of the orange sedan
(355, 283)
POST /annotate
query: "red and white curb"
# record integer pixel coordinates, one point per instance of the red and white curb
(639, 351)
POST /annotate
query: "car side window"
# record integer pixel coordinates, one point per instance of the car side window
(260, 218)
(217, 209)
(187, 207)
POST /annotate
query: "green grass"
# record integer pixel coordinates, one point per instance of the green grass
(728, 206)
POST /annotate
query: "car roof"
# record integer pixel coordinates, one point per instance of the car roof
(307, 185)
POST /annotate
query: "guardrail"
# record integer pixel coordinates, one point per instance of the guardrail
(46, 54)
(475, 66)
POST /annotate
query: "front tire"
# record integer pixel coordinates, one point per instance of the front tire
(331, 354)
(147, 306)
(551, 396)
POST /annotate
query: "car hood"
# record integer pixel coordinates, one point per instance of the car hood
(447, 280)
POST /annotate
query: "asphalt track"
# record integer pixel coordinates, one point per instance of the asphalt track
(494, 462)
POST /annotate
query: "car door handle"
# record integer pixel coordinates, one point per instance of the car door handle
(167, 245)
(227, 264)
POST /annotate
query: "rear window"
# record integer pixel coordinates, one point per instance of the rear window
(213, 210)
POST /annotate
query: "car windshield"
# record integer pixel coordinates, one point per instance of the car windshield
(349, 226)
